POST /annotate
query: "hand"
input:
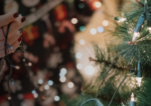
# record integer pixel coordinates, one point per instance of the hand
(14, 35)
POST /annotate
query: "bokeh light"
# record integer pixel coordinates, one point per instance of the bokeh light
(93, 31)
(74, 20)
(89, 70)
(70, 84)
(78, 55)
(82, 28)
(79, 66)
(17, 67)
(29, 64)
(40, 81)
(46, 87)
(105, 23)
(62, 79)
(82, 42)
(97, 4)
(50, 83)
(100, 29)
(56, 98)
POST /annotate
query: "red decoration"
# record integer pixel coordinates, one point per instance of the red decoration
(60, 12)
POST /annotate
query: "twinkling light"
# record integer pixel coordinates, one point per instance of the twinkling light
(93, 31)
(105, 23)
(35, 95)
(70, 84)
(82, 28)
(82, 42)
(46, 87)
(33, 91)
(78, 55)
(81, 5)
(50, 82)
(74, 20)
(29, 64)
(89, 70)
(62, 79)
(97, 4)
(17, 67)
(40, 81)
(9, 98)
(56, 98)
(100, 29)
(139, 80)
(63, 70)
(79, 66)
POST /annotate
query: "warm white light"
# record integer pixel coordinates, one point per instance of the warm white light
(29, 64)
(121, 19)
(36, 95)
(79, 66)
(97, 4)
(40, 81)
(132, 97)
(46, 87)
(70, 84)
(56, 98)
(78, 55)
(93, 31)
(9, 98)
(17, 67)
(63, 71)
(139, 80)
(50, 82)
(82, 42)
(89, 70)
(74, 20)
(105, 23)
(62, 79)
(135, 35)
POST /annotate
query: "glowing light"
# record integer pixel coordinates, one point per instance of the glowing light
(62, 79)
(132, 97)
(29, 64)
(46, 87)
(139, 80)
(82, 42)
(40, 81)
(74, 20)
(50, 82)
(97, 4)
(89, 70)
(79, 66)
(9, 98)
(24, 60)
(56, 98)
(70, 84)
(35, 95)
(63, 71)
(81, 5)
(135, 35)
(17, 67)
(93, 31)
(33, 91)
(82, 28)
(100, 29)
(121, 19)
(105, 23)
(78, 55)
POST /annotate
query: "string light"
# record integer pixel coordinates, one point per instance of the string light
(17, 67)
(82, 28)
(100, 29)
(149, 21)
(70, 84)
(63, 70)
(46, 87)
(121, 19)
(79, 66)
(139, 74)
(89, 70)
(29, 64)
(9, 98)
(78, 55)
(56, 98)
(33, 91)
(93, 31)
(132, 100)
(97, 4)
(135, 35)
(35, 95)
(62, 79)
(40, 81)
(81, 5)
(50, 83)
(74, 20)
(82, 42)
(105, 23)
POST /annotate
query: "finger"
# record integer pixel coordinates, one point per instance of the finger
(14, 45)
(10, 40)
(7, 18)
(15, 25)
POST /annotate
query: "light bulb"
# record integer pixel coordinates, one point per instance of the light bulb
(132, 97)
(135, 35)
(139, 80)
(74, 20)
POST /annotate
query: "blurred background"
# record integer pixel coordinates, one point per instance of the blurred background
(57, 37)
